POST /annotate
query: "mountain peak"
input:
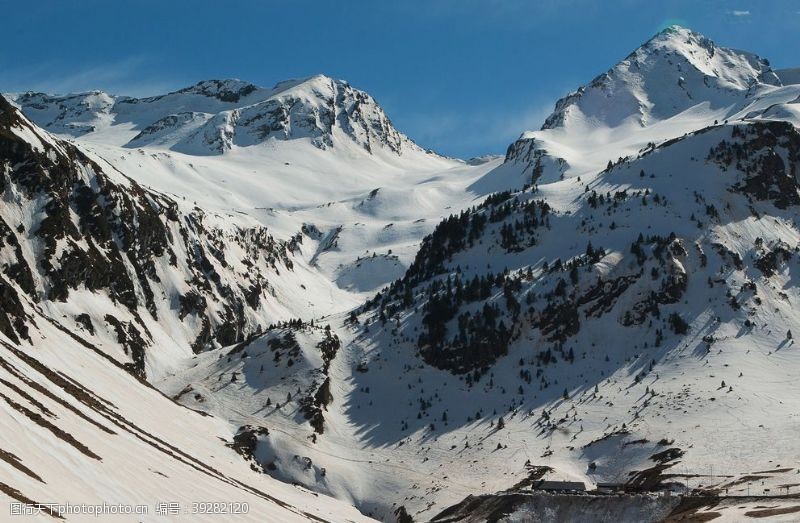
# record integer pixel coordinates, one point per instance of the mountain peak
(308, 108)
(703, 51)
(678, 39)
(318, 78)
(674, 31)
(674, 70)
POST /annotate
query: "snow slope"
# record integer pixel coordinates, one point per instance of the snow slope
(78, 428)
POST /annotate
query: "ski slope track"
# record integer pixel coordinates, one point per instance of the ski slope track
(271, 295)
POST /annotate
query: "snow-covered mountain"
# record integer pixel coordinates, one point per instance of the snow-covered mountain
(675, 70)
(102, 281)
(611, 302)
(677, 82)
(130, 266)
(213, 116)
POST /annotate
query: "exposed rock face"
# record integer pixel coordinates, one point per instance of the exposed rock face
(318, 400)
(245, 442)
(536, 160)
(768, 153)
(230, 91)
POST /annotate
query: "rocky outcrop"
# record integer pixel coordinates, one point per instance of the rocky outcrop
(768, 153)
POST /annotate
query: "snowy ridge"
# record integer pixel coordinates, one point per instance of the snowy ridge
(74, 114)
(213, 116)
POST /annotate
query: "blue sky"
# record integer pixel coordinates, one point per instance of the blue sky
(464, 77)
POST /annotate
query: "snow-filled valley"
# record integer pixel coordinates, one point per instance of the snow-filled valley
(272, 296)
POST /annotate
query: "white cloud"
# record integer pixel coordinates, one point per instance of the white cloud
(737, 12)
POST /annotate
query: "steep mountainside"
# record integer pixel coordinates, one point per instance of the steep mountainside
(132, 269)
